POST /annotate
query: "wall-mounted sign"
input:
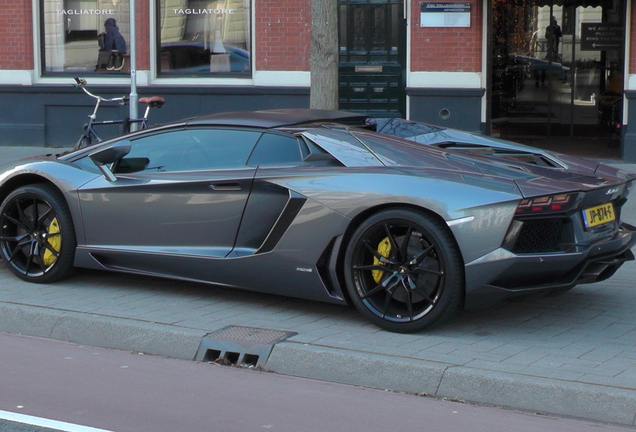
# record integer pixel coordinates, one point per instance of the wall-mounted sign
(445, 14)
(601, 36)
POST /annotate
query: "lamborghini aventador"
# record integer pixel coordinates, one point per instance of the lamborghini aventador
(406, 221)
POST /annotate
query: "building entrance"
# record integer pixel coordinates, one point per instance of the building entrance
(557, 73)
(372, 57)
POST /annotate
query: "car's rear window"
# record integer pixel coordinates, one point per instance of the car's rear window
(396, 151)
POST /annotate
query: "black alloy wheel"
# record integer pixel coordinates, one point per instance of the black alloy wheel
(403, 270)
(37, 238)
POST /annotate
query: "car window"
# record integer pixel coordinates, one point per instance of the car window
(276, 150)
(189, 150)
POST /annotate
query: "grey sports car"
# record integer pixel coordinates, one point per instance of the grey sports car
(321, 205)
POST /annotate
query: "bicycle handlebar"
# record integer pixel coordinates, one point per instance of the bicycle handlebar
(81, 83)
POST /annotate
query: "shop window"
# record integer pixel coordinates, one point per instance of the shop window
(85, 36)
(199, 37)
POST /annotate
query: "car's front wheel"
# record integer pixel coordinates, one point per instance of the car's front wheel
(37, 238)
(404, 271)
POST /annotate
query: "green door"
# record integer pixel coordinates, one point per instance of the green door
(372, 60)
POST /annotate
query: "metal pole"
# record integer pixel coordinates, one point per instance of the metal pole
(549, 73)
(573, 70)
(133, 68)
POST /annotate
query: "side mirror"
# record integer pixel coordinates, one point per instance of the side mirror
(110, 155)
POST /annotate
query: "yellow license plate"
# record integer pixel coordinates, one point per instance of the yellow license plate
(599, 215)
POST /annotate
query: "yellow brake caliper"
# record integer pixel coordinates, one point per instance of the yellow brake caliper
(384, 249)
(55, 241)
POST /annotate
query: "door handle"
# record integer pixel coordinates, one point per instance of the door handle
(225, 186)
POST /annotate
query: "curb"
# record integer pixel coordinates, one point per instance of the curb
(524, 392)
(101, 331)
(379, 371)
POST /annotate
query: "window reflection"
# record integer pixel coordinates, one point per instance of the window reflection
(203, 37)
(71, 35)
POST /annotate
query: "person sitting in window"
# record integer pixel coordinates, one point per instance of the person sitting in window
(112, 46)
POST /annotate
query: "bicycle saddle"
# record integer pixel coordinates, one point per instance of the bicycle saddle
(153, 101)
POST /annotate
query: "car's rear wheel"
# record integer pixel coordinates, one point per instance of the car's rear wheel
(37, 238)
(404, 271)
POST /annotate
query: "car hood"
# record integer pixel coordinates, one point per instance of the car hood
(535, 171)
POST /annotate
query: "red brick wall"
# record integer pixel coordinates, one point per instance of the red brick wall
(16, 37)
(142, 22)
(283, 38)
(447, 49)
(632, 48)
(283, 35)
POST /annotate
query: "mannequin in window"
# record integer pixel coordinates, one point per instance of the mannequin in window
(213, 29)
(219, 58)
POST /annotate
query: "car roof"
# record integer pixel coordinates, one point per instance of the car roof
(279, 118)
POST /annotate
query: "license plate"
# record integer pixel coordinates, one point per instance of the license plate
(599, 215)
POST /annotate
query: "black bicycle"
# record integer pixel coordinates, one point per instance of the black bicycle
(90, 136)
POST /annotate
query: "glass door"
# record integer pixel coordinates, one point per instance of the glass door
(557, 71)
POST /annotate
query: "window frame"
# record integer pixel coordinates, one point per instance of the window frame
(40, 46)
(230, 78)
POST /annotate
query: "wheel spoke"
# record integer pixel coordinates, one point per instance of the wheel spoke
(42, 218)
(47, 246)
(18, 222)
(421, 256)
(21, 244)
(35, 212)
(377, 254)
(404, 248)
(29, 261)
(40, 254)
(418, 290)
(387, 300)
(380, 287)
(409, 302)
(392, 242)
(431, 271)
(13, 239)
(23, 221)
(379, 267)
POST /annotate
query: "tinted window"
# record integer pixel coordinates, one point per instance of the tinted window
(189, 150)
(276, 150)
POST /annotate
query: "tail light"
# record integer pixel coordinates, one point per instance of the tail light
(547, 204)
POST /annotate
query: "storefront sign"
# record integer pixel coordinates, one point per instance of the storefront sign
(204, 11)
(445, 15)
(86, 11)
(601, 37)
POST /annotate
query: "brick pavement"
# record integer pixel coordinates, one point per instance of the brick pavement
(574, 354)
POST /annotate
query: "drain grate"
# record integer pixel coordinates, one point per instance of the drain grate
(238, 345)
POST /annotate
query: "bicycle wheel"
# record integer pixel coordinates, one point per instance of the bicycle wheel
(83, 142)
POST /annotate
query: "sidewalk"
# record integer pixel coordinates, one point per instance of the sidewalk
(571, 355)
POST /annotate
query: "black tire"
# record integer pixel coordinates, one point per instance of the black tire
(37, 237)
(403, 270)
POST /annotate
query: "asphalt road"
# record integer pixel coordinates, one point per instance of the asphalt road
(128, 392)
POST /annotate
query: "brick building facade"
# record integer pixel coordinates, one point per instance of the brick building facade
(393, 61)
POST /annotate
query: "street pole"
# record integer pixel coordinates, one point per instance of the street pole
(133, 68)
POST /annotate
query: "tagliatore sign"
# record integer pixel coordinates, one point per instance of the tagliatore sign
(204, 11)
(445, 15)
(86, 11)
